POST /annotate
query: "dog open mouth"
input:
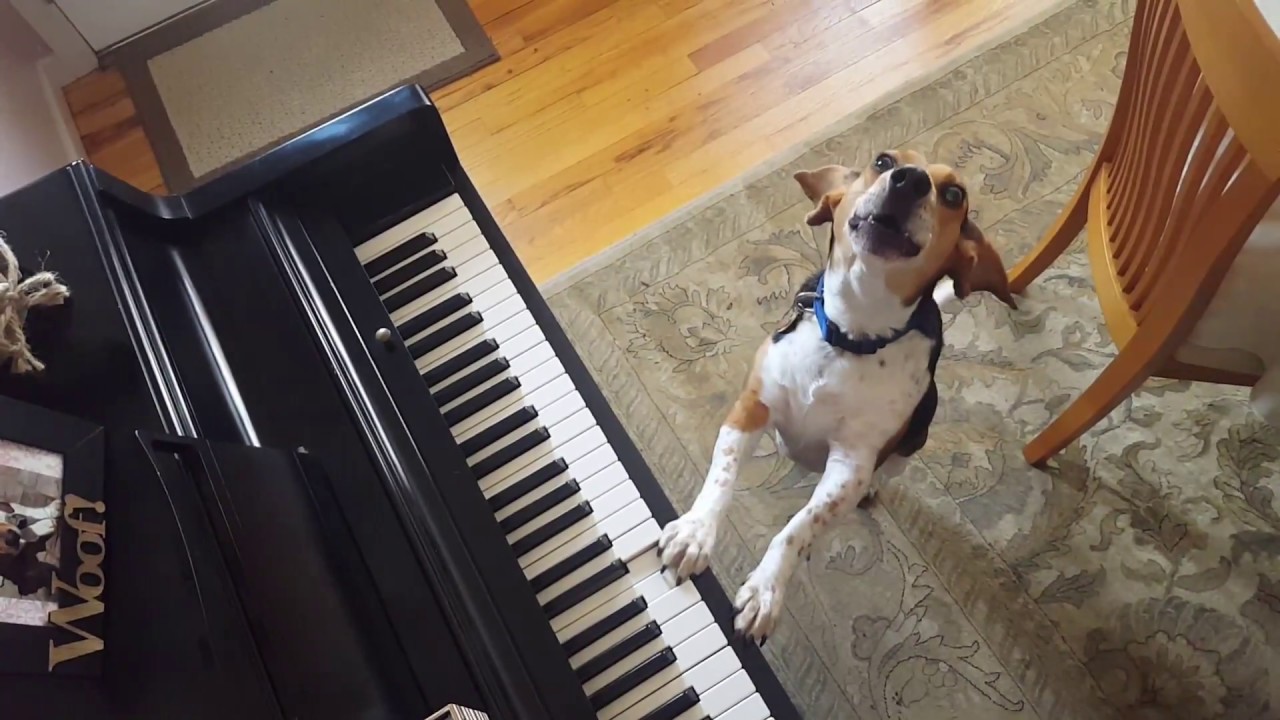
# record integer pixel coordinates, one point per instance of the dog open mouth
(883, 235)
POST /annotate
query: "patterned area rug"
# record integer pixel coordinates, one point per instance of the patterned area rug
(1139, 577)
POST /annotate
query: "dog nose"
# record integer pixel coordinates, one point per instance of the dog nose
(911, 179)
(12, 539)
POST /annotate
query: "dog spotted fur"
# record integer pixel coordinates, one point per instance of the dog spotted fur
(898, 227)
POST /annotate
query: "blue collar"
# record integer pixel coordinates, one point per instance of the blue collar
(837, 337)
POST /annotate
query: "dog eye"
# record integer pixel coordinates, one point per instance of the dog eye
(884, 163)
(953, 196)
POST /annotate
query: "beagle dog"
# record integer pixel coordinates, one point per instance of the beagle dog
(24, 535)
(847, 386)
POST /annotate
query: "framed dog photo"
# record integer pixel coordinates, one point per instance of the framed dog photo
(53, 531)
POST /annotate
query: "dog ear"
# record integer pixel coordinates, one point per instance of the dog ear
(826, 210)
(825, 188)
(976, 266)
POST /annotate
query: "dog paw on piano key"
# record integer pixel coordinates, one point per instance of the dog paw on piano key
(685, 545)
(759, 604)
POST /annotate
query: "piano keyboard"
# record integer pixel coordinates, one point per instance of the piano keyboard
(643, 648)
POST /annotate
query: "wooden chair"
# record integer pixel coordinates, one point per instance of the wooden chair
(1188, 166)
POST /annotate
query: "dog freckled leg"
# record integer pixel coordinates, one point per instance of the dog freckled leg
(844, 482)
(685, 544)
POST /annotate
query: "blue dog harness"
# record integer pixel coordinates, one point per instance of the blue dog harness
(836, 337)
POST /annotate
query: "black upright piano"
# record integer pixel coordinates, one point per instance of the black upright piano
(352, 468)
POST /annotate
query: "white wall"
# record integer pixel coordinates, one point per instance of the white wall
(33, 133)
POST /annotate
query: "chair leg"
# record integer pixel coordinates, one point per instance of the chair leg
(1128, 370)
(1068, 225)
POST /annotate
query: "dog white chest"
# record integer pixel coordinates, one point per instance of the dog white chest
(818, 394)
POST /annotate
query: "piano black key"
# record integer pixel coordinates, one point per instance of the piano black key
(399, 254)
(675, 707)
(418, 288)
(498, 430)
(631, 679)
(562, 569)
(585, 589)
(526, 514)
(619, 652)
(459, 362)
(544, 474)
(471, 381)
(604, 626)
(481, 400)
(551, 529)
(455, 328)
(407, 272)
(519, 446)
(435, 314)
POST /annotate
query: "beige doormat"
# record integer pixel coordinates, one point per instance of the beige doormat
(237, 77)
(1137, 578)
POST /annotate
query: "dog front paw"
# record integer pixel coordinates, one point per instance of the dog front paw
(759, 604)
(685, 545)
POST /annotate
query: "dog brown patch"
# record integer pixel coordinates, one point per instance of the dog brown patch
(748, 413)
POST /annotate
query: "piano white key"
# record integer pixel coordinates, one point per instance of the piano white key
(462, 243)
(728, 694)
(638, 540)
(548, 393)
(753, 708)
(515, 348)
(524, 359)
(494, 294)
(408, 228)
(545, 373)
(484, 281)
(563, 430)
(562, 408)
(449, 222)
(502, 311)
(674, 602)
(504, 331)
(581, 445)
(600, 470)
(613, 501)
(712, 671)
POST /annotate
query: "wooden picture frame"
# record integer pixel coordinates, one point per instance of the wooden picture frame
(53, 546)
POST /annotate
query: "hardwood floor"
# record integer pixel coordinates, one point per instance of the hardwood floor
(603, 116)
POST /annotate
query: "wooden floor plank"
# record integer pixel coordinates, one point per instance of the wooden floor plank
(603, 116)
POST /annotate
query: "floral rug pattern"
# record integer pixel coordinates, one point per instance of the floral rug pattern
(1137, 577)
